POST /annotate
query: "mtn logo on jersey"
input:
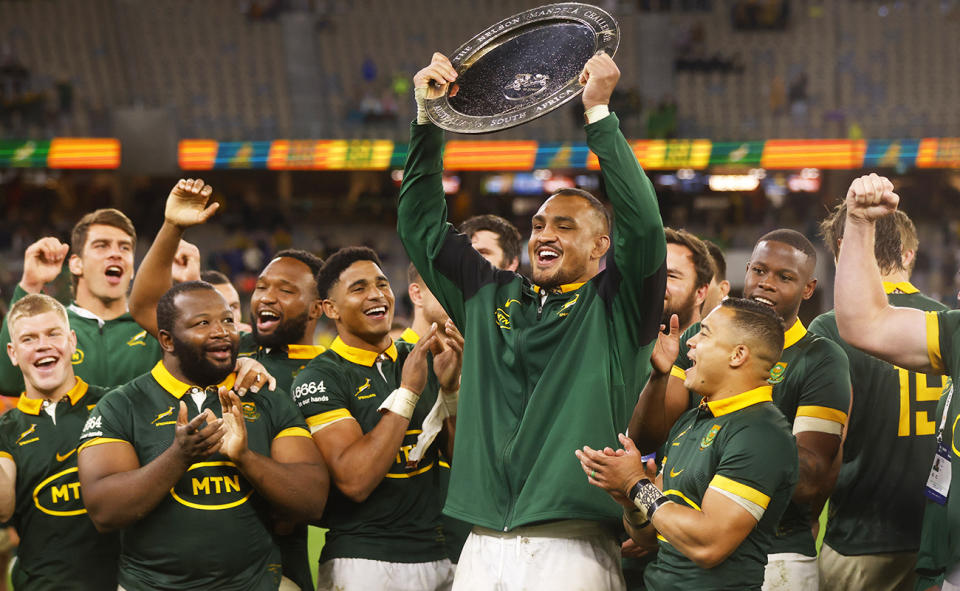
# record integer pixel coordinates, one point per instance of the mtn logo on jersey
(59, 495)
(212, 486)
(77, 357)
(707, 440)
(139, 339)
(363, 388)
(777, 373)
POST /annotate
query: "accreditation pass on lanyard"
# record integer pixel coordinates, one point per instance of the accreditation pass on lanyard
(938, 483)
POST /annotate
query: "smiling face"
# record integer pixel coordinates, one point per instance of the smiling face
(779, 276)
(204, 339)
(41, 347)
(681, 296)
(105, 266)
(284, 303)
(566, 242)
(710, 352)
(361, 303)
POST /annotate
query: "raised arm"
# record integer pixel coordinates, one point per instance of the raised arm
(865, 318)
(446, 260)
(117, 491)
(42, 263)
(186, 206)
(292, 479)
(664, 398)
(637, 267)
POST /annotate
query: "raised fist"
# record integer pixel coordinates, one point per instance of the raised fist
(870, 197)
(42, 262)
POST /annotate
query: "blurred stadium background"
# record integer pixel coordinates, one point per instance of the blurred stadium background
(748, 115)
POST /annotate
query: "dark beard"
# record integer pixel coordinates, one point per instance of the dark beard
(289, 332)
(684, 311)
(195, 366)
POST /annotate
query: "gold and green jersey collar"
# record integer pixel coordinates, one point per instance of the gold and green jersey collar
(899, 287)
(740, 401)
(793, 334)
(32, 406)
(410, 336)
(304, 351)
(361, 356)
(175, 387)
(567, 288)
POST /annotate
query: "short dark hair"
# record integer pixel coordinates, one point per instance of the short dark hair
(761, 324)
(167, 312)
(702, 261)
(214, 277)
(895, 233)
(338, 262)
(508, 237)
(413, 276)
(719, 263)
(794, 239)
(595, 203)
(307, 258)
(104, 217)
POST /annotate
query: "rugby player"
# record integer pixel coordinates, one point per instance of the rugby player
(496, 239)
(192, 475)
(730, 468)
(811, 386)
(39, 489)
(719, 286)
(873, 529)
(284, 304)
(689, 273)
(916, 340)
(112, 348)
(550, 364)
(368, 402)
(229, 293)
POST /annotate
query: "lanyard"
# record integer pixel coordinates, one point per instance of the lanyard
(946, 412)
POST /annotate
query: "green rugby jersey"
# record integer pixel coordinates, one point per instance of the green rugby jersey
(933, 554)
(400, 520)
(59, 546)
(811, 387)
(109, 352)
(455, 531)
(213, 530)
(284, 363)
(742, 448)
(943, 344)
(543, 373)
(892, 423)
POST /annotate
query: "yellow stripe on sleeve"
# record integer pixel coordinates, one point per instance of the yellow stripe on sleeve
(678, 372)
(682, 496)
(100, 441)
(741, 490)
(823, 412)
(933, 341)
(317, 422)
(293, 432)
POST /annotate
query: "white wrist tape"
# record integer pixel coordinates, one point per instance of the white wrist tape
(401, 401)
(420, 94)
(596, 113)
(449, 401)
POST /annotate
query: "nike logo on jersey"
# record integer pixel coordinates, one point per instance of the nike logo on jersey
(63, 458)
(22, 439)
(677, 473)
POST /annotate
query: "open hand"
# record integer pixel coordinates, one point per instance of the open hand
(448, 357)
(192, 440)
(187, 203)
(234, 427)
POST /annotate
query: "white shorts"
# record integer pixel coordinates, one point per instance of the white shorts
(556, 556)
(951, 580)
(789, 571)
(359, 574)
(889, 571)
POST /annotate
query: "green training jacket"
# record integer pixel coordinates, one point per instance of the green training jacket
(542, 376)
